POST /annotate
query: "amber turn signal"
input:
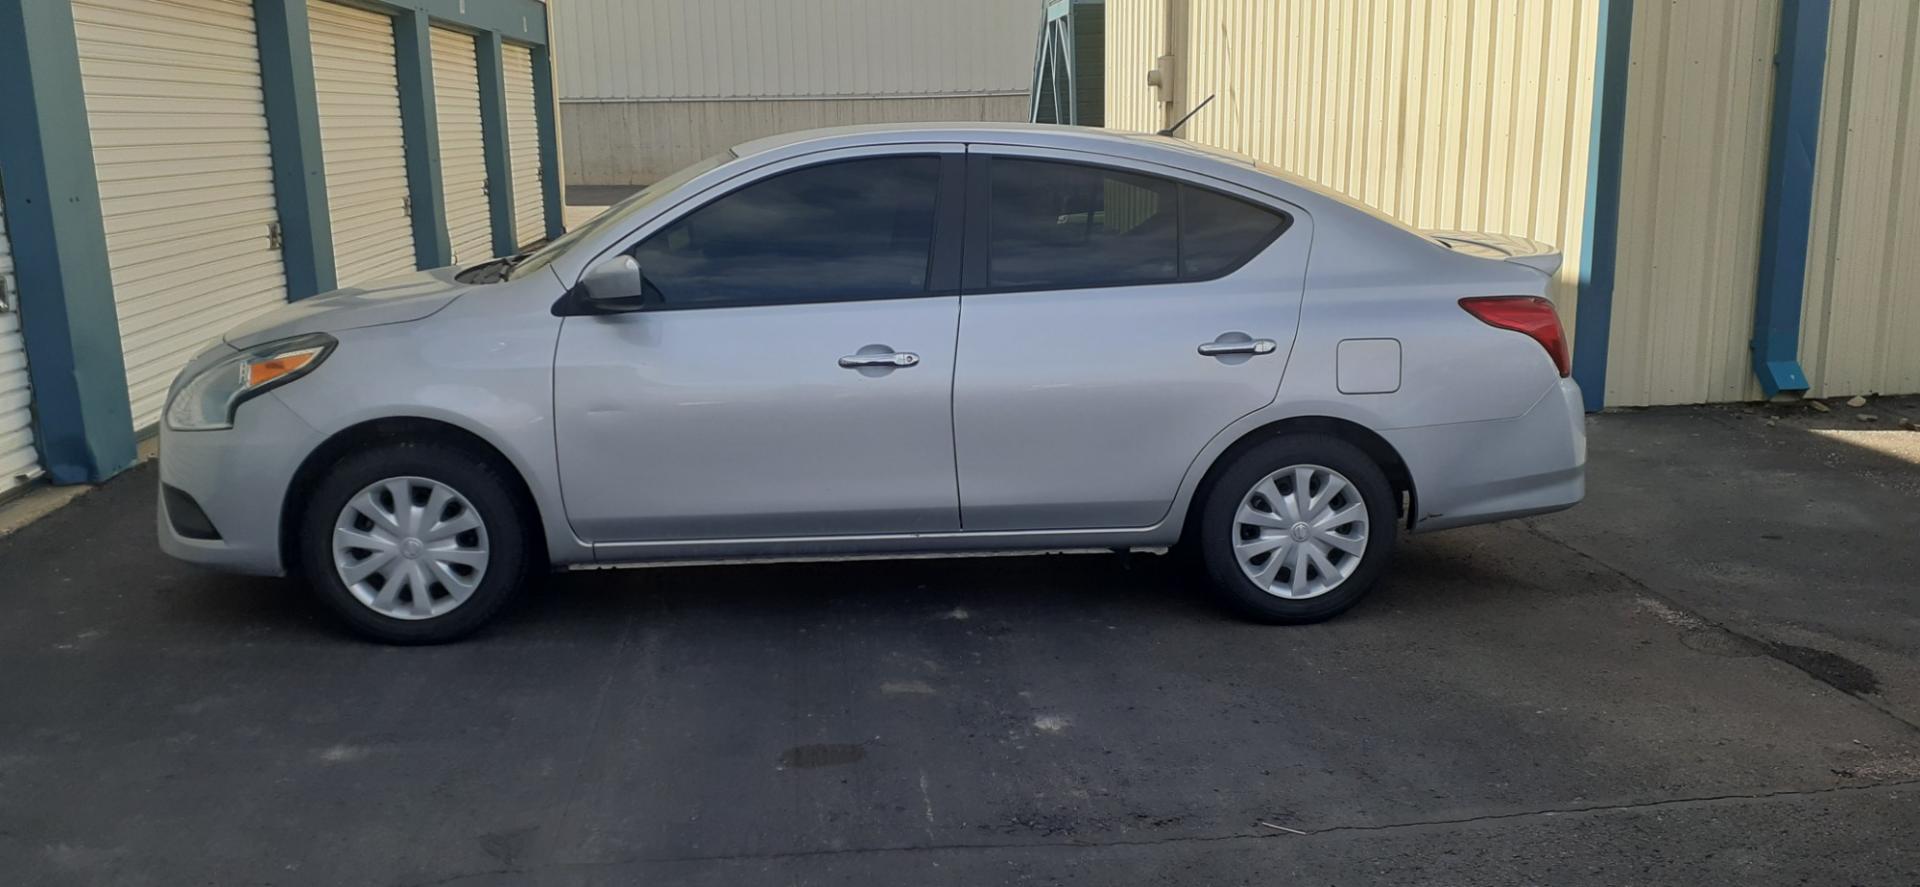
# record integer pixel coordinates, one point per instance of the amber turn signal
(260, 372)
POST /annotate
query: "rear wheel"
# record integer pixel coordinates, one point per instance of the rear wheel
(1297, 529)
(414, 542)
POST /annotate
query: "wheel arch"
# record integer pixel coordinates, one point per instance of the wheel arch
(376, 432)
(1377, 448)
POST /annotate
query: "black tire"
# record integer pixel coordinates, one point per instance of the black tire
(511, 545)
(1217, 530)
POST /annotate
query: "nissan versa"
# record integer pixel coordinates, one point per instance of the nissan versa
(890, 340)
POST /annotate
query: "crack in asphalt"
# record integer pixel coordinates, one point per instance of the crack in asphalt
(1771, 649)
(1407, 825)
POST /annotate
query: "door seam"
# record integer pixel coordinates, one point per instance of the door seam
(953, 418)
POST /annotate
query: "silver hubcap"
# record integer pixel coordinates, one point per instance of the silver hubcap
(1300, 531)
(410, 547)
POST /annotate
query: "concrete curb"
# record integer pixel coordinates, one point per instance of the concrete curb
(39, 500)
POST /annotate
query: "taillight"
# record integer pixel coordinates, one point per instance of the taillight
(1525, 314)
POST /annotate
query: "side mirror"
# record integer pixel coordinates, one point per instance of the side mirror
(613, 284)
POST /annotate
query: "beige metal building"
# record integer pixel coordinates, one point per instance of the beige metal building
(646, 88)
(1860, 328)
(1493, 114)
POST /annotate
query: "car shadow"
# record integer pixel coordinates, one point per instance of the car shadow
(1429, 572)
(1467, 568)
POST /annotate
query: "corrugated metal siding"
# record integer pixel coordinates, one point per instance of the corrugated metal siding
(523, 141)
(463, 150)
(361, 142)
(1467, 114)
(19, 462)
(1693, 189)
(1136, 35)
(710, 49)
(1860, 328)
(186, 185)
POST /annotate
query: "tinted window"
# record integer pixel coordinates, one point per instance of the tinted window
(616, 216)
(1218, 232)
(857, 229)
(1063, 225)
(1060, 225)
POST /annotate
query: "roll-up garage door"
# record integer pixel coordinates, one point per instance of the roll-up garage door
(18, 462)
(361, 141)
(523, 145)
(186, 180)
(463, 149)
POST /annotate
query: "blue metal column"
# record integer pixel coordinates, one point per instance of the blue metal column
(493, 122)
(293, 130)
(1800, 63)
(419, 125)
(1600, 234)
(82, 420)
(545, 109)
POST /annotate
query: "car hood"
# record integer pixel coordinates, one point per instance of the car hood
(394, 300)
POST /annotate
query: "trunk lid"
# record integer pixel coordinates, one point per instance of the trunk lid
(1503, 247)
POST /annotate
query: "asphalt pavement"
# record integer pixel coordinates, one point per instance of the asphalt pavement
(1707, 674)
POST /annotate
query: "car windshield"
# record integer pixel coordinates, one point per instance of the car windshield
(615, 215)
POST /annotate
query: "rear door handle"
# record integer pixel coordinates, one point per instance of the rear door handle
(1249, 346)
(890, 359)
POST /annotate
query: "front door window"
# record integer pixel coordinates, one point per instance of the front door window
(857, 229)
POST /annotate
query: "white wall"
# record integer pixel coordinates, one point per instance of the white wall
(648, 86)
(636, 143)
(627, 50)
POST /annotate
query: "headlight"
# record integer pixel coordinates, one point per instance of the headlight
(204, 399)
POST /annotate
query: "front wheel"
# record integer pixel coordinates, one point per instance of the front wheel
(1297, 529)
(414, 542)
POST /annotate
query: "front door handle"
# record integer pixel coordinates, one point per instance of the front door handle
(891, 359)
(1223, 347)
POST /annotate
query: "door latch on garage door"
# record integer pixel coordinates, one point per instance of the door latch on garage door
(406, 205)
(275, 239)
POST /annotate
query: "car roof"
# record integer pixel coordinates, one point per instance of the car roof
(1038, 135)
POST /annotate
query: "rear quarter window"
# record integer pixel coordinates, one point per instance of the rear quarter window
(1220, 233)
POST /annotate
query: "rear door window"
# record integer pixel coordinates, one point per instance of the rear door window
(1054, 225)
(1064, 226)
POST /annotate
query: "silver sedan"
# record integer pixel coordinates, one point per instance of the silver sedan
(883, 341)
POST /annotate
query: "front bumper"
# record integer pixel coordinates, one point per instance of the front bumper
(1476, 472)
(239, 480)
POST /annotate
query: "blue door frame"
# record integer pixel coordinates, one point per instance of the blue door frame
(82, 420)
(1600, 228)
(1800, 67)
